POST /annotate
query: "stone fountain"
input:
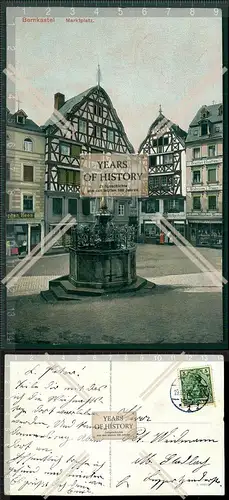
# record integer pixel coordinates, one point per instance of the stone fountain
(102, 260)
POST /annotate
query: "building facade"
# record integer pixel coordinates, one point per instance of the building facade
(25, 174)
(204, 153)
(94, 128)
(165, 145)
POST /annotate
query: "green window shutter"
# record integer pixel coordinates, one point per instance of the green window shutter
(75, 150)
(76, 178)
(144, 206)
(86, 206)
(72, 206)
(61, 176)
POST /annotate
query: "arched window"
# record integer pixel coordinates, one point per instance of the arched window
(28, 145)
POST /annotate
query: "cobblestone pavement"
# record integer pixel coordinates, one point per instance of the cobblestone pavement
(195, 282)
(168, 315)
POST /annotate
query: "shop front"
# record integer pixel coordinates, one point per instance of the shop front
(179, 226)
(206, 234)
(23, 232)
(62, 242)
(151, 232)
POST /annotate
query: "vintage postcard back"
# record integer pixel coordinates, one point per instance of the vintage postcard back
(114, 425)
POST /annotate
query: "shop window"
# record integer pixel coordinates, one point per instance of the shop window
(28, 145)
(211, 174)
(211, 151)
(196, 153)
(212, 205)
(28, 173)
(72, 206)
(196, 203)
(196, 177)
(27, 203)
(57, 206)
(82, 126)
(121, 209)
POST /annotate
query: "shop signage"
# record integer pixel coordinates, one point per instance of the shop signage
(206, 161)
(20, 215)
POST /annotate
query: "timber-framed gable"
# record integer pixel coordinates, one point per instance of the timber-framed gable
(164, 144)
(93, 125)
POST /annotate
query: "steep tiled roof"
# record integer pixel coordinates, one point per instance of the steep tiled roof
(179, 132)
(28, 125)
(212, 116)
(76, 102)
(68, 106)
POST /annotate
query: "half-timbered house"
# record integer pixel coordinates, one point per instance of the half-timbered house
(165, 145)
(92, 126)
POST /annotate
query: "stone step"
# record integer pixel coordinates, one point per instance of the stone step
(69, 288)
(134, 287)
(60, 294)
(48, 296)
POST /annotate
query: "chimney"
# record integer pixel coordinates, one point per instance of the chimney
(59, 100)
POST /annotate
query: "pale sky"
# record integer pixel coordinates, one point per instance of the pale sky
(145, 62)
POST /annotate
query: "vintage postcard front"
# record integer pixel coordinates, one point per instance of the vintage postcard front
(114, 425)
(114, 175)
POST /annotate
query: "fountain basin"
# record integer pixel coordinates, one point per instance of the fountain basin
(102, 268)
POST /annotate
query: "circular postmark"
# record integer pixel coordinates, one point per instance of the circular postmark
(191, 391)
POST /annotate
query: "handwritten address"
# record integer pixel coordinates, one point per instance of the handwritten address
(60, 438)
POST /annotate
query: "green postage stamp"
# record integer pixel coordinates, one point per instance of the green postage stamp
(196, 386)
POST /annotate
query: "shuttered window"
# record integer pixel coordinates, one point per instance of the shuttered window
(68, 177)
(86, 206)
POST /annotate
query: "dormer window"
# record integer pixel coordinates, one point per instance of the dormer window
(220, 110)
(21, 119)
(204, 112)
(204, 129)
